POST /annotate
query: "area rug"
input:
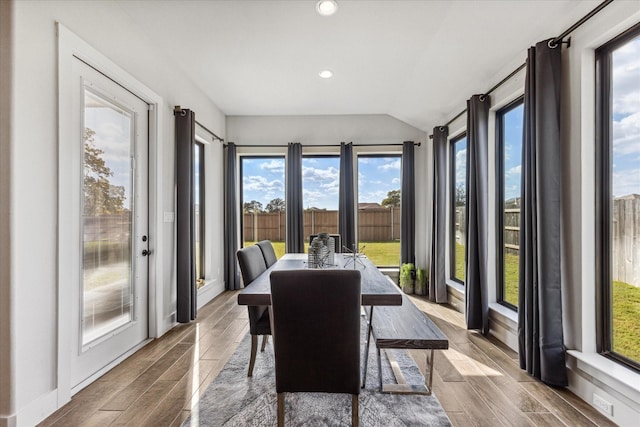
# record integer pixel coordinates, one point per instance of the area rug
(233, 399)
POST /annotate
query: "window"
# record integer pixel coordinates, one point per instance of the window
(379, 208)
(199, 202)
(618, 197)
(458, 198)
(320, 188)
(263, 201)
(509, 122)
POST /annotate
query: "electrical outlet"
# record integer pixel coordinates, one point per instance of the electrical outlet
(603, 405)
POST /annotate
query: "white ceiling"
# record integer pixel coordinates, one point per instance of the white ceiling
(415, 60)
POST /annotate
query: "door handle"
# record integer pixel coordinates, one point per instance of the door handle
(146, 252)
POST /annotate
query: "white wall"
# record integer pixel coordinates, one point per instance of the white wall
(34, 174)
(379, 129)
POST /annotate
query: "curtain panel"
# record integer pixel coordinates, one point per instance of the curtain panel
(346, 202)
(231, 272)
(185, 125)
(437, 283)
(408, 205)
(540, 335)
(477, 214)
(294, 210)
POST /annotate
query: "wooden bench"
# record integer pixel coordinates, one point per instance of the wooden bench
(404, 327)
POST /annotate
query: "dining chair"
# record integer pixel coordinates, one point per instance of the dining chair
(268, 252)
(252, 265)
(316, 333)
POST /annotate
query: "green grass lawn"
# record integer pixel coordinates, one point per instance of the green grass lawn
(626, 313)
(460, 263)
(383, 254)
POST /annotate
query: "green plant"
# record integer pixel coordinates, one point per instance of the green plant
(407, 275)
(421, 282)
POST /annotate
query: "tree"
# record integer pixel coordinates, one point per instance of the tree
(461, 195)
(253, 206)
(392, 200)
(276, 205)
(100, 196)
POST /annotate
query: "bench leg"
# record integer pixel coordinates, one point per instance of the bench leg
(410, 388)
(429, 367)
(366, 350)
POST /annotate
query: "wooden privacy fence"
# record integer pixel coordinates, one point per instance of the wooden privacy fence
(374, 224)
(625, 240)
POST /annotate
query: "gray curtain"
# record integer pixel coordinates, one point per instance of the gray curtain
(408, 205)
(295, 211)
(185, 219)
(346, 211)
(541, 341)
(437, 284)
(477, 215)
(231, 273)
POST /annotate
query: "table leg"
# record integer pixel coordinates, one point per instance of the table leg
(366, 350)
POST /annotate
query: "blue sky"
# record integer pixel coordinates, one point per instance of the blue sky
(513, 152)
(626, 119)
(263, 180)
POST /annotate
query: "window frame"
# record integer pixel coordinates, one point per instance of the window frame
(200, 281)
(603, 193)
(357, 184)
(452, 204)
(500, 135)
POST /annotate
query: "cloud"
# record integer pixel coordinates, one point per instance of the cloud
(516, 170)
(626, 182)
(391, 165)
(261, 184)
(274, 166)
(625, 77)
(626, 135)
(395, 181)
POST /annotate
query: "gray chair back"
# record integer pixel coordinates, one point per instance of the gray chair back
(267, 252)
(251, 263)
(316, 330)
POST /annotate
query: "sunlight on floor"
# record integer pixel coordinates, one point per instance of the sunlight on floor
(467, 366)
(195, 380)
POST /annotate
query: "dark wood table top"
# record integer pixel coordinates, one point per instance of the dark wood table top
(377, 289)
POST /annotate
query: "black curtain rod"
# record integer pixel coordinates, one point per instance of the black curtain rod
(212, 134)
(177, 109)
(552, 42)
(580, 22)
(325, 146)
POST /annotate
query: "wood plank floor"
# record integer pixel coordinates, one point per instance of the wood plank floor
(477, 381)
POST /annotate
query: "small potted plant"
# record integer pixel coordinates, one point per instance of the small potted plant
(407, 276)
(421, 282)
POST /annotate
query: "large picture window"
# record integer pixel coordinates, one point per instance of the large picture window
(618, 197)
(263, 201)
(320, 187)
(379, 179)
(509, 122)
(458, 207)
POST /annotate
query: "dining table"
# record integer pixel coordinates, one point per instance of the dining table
(376, 288)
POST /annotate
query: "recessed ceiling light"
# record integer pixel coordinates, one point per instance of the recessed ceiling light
(326, 74)
(326, 7)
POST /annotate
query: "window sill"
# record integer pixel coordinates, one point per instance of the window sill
(614, 378)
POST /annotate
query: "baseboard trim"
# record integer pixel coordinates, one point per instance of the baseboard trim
(37, 410)
(8, 421)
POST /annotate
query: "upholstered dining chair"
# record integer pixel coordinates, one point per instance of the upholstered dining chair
(316, 333)
(252, 265)
(268, 252)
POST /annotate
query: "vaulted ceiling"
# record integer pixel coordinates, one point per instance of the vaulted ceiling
(415, 60)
